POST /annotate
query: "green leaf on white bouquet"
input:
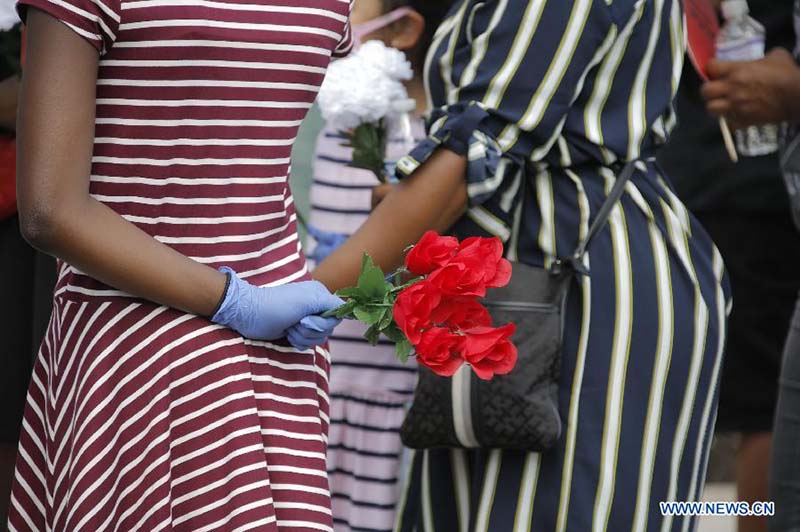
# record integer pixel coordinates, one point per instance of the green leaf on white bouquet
(369, 148)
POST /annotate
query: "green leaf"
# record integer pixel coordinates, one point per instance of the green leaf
(371, 282)
(386, 319)
(372, 335)
(393, 333)
(345, 310)
(369, 148)
(350, 292)
(403, 350)
(367, 315)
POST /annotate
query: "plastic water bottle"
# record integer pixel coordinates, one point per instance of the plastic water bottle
(743, 39)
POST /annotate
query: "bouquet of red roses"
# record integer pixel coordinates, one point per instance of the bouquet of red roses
(436, 313)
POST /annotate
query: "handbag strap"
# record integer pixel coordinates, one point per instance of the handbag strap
(576, 261)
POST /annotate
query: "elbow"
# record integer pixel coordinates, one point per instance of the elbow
(39, 225)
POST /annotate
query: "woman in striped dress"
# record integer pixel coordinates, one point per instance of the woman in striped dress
(537, 103)
(155, 138)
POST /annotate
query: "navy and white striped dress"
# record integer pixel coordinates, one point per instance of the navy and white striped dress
(369, 388)
(572, 89)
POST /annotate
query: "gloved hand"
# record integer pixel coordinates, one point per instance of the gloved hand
(327, 242)
(291, 310)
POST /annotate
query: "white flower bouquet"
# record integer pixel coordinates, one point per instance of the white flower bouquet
(361, 97)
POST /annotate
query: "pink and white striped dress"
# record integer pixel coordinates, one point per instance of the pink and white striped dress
(141, 417)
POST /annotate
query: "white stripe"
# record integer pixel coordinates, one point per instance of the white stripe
(226, 6)
(701, 450)
(427, 510)
(487, 221)
(193, 142)
(461, 486)
(555, 72)
(204, 24)
(186, 181)
(637, 121)
(196, 83)
(209, 63)
(222, 44)
(219, 524)
(666, 331)
(298, 470)
(193, 122)
(91, 17)
(527, 28)
(204, 221)
(481, 44)
(182, 103)
(282, 525)
(580, 366)
(285, 450)
(303, 506)
(273, 265)
(492, 473)
(604, 82)
(619, 360)
(462, 412)
(530, 476)
(255, 524)
(188, 201)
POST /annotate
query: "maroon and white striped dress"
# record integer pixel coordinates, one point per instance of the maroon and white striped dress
(141, 417)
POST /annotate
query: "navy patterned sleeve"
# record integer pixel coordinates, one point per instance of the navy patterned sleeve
(502, 76)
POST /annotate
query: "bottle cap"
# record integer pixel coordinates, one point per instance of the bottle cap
(735, 8)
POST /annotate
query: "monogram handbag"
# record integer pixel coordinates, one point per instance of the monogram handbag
(519, 410)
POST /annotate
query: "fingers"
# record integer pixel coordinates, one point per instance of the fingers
(300, 342)
(321, 300)
(717, 69)
(319, 324)
(311, 331)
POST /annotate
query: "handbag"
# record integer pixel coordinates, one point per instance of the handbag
(517, 411)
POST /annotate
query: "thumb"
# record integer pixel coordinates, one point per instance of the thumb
(323, 300)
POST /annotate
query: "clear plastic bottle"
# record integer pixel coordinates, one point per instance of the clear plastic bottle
(742, 39)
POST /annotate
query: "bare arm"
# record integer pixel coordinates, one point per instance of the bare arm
(58, 216)
(8, 102)
(434, 197)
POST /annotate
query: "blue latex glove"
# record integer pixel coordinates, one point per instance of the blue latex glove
(327, 242)
(291, 310)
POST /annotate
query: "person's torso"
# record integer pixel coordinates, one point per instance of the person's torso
(622, 109)
(198, 105)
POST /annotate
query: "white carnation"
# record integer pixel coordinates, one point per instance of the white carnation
(8, 14)
(391, 61)
(364, 87)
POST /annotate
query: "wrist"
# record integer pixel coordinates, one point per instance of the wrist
(224, 295)
(226, 309)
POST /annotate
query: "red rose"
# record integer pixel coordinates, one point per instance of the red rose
(440, 350)
(413, 309)
(461, 313)
(478, 265)
(431, 252)
(489, 350)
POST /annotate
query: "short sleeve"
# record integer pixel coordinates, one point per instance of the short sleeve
(97, 21)
(346, 43)
(508, 73)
